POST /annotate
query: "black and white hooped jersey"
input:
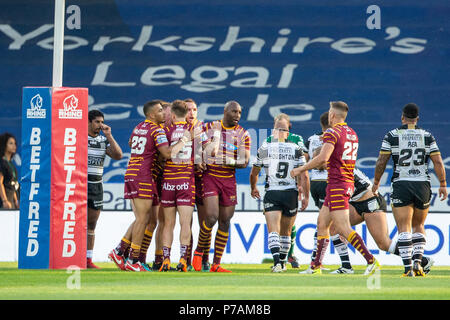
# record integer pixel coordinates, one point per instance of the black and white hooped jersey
(96, 157)
(278, 160)
(362, 184)
(411, 148)
(312, 144)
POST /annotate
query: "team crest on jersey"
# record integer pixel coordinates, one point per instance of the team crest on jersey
(161, 139)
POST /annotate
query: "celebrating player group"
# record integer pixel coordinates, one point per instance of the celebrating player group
(178, 163)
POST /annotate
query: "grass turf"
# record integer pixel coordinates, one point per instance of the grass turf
(246, 282)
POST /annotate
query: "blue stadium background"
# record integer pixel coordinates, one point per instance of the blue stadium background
(289, 56)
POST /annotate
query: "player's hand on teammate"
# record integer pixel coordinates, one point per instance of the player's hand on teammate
(255, 193)
(375, 188)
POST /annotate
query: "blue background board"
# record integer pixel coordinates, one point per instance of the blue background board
(40, 227)
(177, 49)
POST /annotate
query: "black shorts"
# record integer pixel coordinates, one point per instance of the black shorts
(318, 191)
(376, 203)
(405, 193)
(285, 201)
(95, 196)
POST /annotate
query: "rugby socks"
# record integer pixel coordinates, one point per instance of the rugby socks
(393, 248)
(123, 246)
(166, 252)
(204, 239)
(322, 245)
(293, 235)
(285, 245)
(183, 251)
(159, 256)
(418, 242)
(89, 254)
(274, 246)
(314, 252)
(219, 245)
(189, 251)
(134, 252)
(148, 235)
(357, 242)
(342, 250)
(405, 247)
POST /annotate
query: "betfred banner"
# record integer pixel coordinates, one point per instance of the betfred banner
(34, 220)
(69, 178)
(53, 208)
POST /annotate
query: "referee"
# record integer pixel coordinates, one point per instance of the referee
(279, 156)
(411, 148)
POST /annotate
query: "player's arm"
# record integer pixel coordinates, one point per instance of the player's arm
(319, 161)
(6, 203)
(114, 150)
(380, 166)
(439, 169)
(253, 181)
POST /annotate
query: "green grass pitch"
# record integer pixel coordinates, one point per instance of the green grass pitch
(246, 282)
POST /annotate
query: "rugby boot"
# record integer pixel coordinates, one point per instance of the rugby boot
(418, 270)
(117, 258)
(218, 268)
(197, 260)
(165, 265)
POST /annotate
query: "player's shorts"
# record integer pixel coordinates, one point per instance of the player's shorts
(224, 188)
(141, 189)
(178, 192)
(373, 204)
(338, 196)
(199, 189)
(404, 193)
(285, 201)
(95, 196)
(318, 191)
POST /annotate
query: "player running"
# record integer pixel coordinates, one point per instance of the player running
(228, 150)
(339, 150)
(279, 156)
(411, 148)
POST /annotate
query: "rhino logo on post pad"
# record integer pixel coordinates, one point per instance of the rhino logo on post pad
(36, 111)
(70, 108)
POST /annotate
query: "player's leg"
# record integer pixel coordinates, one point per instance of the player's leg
(273, 219)
(403, 219)
(292, 259)
(170, 214)
(142, 214)
(340, 245)
(201, 212)
(286, 223)
(221, 239)
(378, 228)
(148, 236)
(323, 237)
(185, 217)
(93, 215)
(418, 239)
(341, 222)
(159, 256)
(204, 238)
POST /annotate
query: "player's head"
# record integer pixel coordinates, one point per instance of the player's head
(179, 110)
(153, 111)
(324, 121)
(232, 113)
(96, 120)
(337, 113)
(191, 116)
(281, 126)
(8, 144)
(410, 113)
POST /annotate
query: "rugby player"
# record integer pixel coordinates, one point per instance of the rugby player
(228, 150)
(178, 187)
(411, 148)
(98, 147)
(339, 150)
(279, 156)
(147, 138)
